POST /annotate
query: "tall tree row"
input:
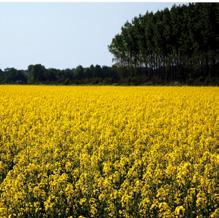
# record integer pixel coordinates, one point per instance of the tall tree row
(177, 44)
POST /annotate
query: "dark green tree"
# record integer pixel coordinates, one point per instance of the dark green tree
(36, 73)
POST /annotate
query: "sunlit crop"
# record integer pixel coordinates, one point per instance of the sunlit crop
(108, 151)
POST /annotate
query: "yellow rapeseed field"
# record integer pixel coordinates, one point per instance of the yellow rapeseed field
(108, 151)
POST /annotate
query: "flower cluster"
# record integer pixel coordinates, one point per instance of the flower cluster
(108, 151)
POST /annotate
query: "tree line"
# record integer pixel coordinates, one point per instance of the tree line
(176, 46)
(39, 74)
(179, 44)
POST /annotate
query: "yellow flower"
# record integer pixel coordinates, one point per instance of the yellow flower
(179, 211)
(108, 151)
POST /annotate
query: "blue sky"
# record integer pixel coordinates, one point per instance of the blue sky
(63, 35)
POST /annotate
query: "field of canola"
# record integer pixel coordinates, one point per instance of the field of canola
(108, 151)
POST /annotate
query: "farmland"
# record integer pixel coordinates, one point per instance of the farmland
(104, 151)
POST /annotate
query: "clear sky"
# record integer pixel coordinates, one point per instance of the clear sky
(63, 35)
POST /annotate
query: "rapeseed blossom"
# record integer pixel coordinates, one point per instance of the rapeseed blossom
(108, 151)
